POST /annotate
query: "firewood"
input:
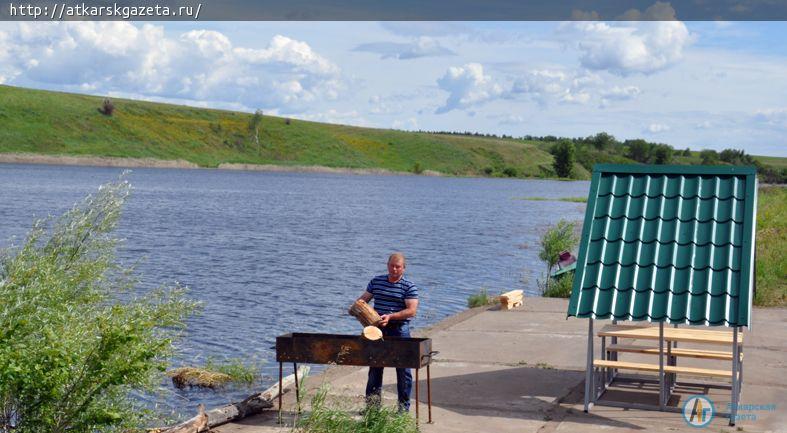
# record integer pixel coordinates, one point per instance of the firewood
(364, 313)
(372, 333)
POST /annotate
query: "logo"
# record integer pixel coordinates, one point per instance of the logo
(698, 411)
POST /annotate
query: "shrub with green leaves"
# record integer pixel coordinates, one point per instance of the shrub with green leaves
(75, 337)
(557, 239)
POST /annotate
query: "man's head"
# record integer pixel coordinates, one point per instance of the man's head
(396, 265)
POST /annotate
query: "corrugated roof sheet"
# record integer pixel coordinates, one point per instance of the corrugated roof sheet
(668, 244)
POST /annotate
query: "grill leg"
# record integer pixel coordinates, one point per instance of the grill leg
(297, 387)
(280, 379)
(416, 395)
(429, 392)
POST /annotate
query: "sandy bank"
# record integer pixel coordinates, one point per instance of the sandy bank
(107, 161)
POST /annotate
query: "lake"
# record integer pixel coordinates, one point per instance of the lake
(270, 253)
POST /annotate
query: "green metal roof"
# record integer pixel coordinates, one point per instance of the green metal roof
(668, 244)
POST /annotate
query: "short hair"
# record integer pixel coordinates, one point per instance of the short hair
(397, 255)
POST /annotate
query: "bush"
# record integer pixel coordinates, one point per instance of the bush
(107, 107)
(557, 239)
(560, 287)
(510, 172)
(417, 169)
(74, 338)
(480, 299)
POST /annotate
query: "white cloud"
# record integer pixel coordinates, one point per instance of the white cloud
(656, 128)
(410, 123)
(551, 85)
(772, 116)
(351, 117)
(705, 124)
(628, 48)
(107, 56)
(467, 86)
(421, 47)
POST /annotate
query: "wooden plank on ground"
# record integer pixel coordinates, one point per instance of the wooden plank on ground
(654, 368)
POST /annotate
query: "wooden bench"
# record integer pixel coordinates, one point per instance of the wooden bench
(689, 353)
(654, 368)
(670, 334)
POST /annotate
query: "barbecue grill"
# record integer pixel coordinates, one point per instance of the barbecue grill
(337, 349)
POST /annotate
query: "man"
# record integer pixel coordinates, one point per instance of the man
(396, 301)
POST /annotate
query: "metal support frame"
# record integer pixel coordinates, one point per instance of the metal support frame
(662, 393)
(666, 381)
(589, 386)
(736, 388)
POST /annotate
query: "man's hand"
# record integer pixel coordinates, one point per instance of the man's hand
(384, 320)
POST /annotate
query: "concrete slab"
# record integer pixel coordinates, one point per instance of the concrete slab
(522, 370)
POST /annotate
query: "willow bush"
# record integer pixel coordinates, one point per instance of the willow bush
(75, 337)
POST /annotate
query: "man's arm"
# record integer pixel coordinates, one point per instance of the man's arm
(410, 308)
(365, 296)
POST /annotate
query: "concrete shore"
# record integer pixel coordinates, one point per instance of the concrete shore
(523, 371)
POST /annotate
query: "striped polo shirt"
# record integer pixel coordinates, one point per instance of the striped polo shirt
(389, 297)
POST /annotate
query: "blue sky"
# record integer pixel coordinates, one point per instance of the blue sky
(690, 84)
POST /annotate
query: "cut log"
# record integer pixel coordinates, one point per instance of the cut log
(194, 425)
(372, 333)
(511, 299)
(251, 405)
(364, 313)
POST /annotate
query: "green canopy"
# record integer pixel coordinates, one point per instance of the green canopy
(668, 244)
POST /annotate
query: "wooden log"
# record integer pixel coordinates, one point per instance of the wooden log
(372, 333)
(194, 425)
(251, 405)
(364, 313)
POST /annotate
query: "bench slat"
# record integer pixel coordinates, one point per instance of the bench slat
(670, 334)
(690, 353)
(654, 368)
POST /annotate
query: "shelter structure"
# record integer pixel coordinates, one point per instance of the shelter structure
(668, 245)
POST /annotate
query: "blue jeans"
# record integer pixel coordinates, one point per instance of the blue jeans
(404, 379)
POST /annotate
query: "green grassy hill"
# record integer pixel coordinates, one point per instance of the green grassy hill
(54, 123)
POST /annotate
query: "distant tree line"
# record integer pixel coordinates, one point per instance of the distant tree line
(605, 148)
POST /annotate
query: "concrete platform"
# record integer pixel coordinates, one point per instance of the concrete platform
(522, 370)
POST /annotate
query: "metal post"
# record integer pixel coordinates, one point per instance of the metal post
(297, 387)
(589, 367)
(429, 392)
(416, 395)
(661, 366)
(280, 379)
(735, 384)
(604, 372)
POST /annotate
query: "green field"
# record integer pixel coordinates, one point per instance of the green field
(771, 246)
(53, 123)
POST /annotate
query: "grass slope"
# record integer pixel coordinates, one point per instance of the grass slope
(54, 123)
(771, 245)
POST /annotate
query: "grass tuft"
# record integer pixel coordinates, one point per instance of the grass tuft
(771, 244)
(324, 418)
(480, 299)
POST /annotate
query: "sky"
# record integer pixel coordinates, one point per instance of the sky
(703, 85)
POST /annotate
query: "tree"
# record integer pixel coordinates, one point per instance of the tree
(557, 239)
(709, 157)
(565, 154)
(74, 337)
(639, 150)
(662, 154)
(254, 126)
(602, 140)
